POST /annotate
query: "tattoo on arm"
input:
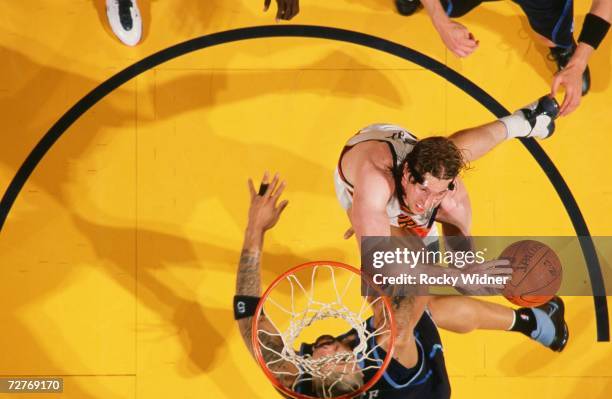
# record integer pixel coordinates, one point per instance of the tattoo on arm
(271, 345)
(402, 310)
(248, 281)
(403, 303)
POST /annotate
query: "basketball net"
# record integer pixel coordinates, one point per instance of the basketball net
(334, 369)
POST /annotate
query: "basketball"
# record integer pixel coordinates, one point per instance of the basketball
(536, 275)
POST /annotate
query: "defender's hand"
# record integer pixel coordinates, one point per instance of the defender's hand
(265, 210)
(287, 9)
(457, 38)
(570, 78)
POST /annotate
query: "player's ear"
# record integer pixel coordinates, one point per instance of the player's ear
(451, 185)
(414, 178)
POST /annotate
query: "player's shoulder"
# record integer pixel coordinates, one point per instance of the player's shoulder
(374, 176)
(374, 158)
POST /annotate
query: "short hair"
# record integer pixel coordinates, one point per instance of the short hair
(337, 383)
(437, 155)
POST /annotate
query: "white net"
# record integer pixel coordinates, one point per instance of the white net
(334, 372)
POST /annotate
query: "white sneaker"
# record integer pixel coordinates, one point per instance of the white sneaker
(534, 120)
(124, 19)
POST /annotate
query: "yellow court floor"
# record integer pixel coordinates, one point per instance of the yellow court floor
(118, 257)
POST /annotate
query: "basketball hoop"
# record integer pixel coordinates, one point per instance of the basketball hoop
(323, 294)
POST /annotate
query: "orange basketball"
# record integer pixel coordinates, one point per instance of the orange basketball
(536, 275)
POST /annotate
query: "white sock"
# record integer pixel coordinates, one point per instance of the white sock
(513, 321)
(516, 125)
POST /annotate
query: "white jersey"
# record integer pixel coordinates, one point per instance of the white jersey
(401, 142)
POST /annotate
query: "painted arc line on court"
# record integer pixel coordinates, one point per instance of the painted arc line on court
(362, 39)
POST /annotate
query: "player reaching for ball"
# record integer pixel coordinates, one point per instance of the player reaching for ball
(417, 369)
(391, 183)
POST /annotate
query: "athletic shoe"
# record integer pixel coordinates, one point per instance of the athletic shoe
(407, 7)
(124, 19)
(551, 330)
(534, 120)
(561, 56)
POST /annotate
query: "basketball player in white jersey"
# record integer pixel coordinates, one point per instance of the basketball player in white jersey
(391, 183)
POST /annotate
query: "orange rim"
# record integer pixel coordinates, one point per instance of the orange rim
(259, 355)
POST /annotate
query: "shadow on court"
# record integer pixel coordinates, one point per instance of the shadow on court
(202, 330)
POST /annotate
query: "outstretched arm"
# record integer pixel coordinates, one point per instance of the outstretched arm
(264, 212)
(594, 29)
(248, 279)
(477, 141)
(406, 312)
(533, 120)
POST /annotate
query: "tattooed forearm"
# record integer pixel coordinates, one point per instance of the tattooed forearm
(271, 345)
(246, 329)
(263, 215)
(248, 280)
(403, 303)
(268, 337)
(249, 258)
(402, 311)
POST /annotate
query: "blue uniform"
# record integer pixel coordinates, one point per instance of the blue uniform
(426, 380)
(553, 19)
